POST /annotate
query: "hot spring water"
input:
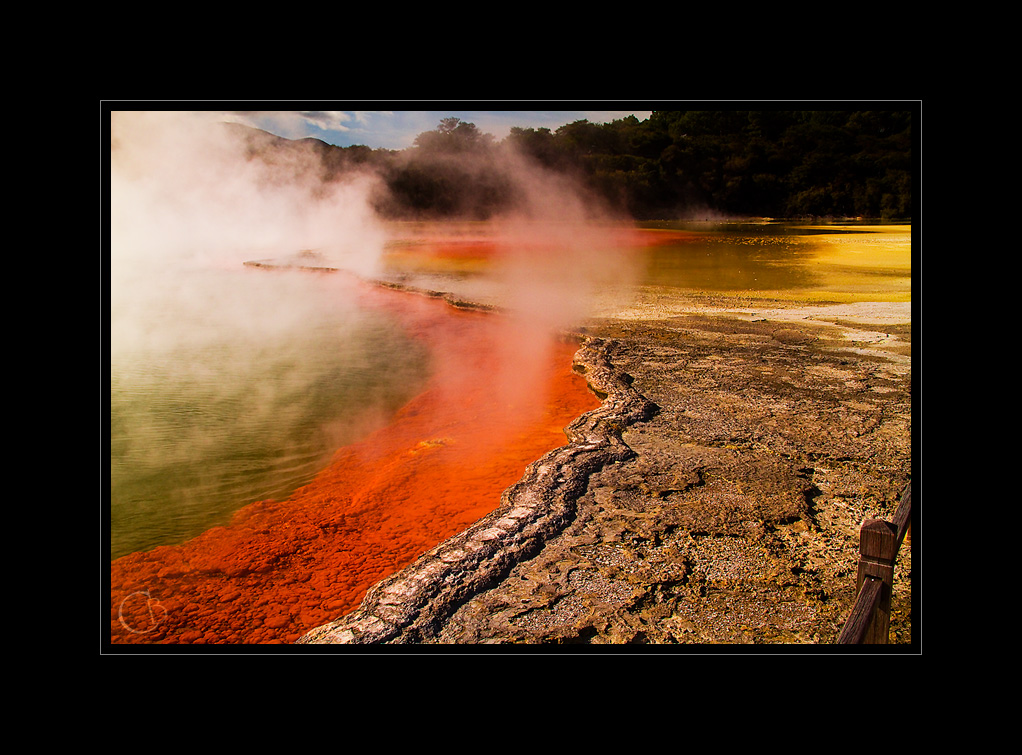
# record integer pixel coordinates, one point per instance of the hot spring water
(229, 386)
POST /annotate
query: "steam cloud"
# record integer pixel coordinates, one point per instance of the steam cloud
(184, 192)
(185, 196)
(189, 207)
(182, 185)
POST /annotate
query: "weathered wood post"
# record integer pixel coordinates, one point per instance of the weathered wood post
(878, 547)
(879, 541)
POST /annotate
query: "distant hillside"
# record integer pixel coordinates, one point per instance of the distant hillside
(784, 164)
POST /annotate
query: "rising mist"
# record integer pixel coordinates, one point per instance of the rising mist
(187, 190)
(191, 202)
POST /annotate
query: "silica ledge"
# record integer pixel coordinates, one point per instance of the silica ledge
(412, 605)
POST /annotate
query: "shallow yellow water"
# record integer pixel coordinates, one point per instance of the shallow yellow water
(873, 264)
(786, 262)
(832, 263)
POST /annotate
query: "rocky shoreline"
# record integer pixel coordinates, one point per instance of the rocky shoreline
(714, 498)
(413, 605)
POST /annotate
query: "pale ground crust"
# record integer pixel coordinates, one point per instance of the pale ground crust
(714, 499)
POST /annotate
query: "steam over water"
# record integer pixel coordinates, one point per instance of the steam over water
(238, 391)
(231, 384)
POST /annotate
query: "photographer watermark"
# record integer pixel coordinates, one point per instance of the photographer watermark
(144, 620)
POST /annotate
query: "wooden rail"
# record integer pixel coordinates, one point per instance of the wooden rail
(879, 541)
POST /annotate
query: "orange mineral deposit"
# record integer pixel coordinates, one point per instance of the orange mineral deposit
(497, 400)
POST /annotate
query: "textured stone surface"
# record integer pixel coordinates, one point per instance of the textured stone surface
(412, 605)
(715, 497)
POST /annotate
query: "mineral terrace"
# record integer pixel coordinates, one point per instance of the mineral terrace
(714, 498)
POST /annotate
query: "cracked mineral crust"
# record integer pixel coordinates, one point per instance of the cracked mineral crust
(714, 498)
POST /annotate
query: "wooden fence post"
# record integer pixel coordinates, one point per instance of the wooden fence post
(879, 541)
(878, 548)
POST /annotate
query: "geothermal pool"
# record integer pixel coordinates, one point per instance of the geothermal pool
(295, 468)
(234, 386)
(838, 262)
(281, 440)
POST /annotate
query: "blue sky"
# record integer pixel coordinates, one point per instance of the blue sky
(397, 129)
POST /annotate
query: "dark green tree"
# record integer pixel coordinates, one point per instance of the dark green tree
(771, 162)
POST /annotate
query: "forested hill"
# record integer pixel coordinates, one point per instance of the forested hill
(675, 164)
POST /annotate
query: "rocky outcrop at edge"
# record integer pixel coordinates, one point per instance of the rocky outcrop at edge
(412, 604)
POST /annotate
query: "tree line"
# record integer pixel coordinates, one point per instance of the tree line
(675, 164)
